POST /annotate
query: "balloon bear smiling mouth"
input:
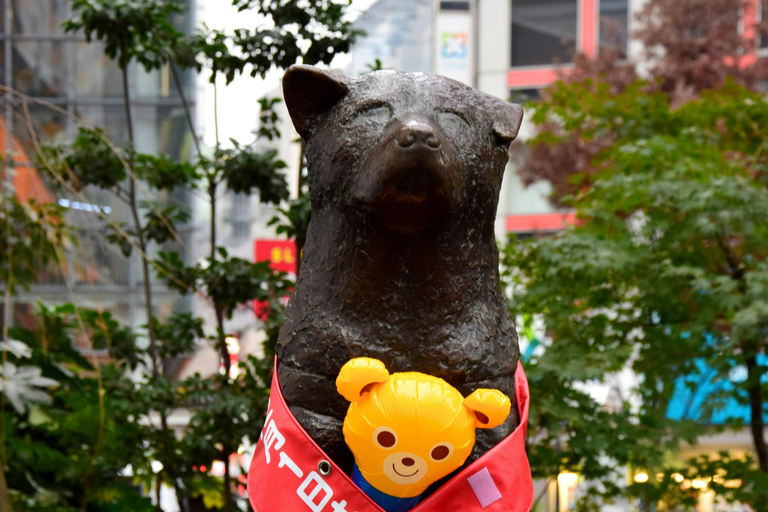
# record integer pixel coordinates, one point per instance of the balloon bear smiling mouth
(405, 468)
(399, 473)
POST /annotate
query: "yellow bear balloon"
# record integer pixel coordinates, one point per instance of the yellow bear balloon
(408, 430)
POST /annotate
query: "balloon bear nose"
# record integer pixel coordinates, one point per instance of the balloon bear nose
(416, 131)
(407, 461)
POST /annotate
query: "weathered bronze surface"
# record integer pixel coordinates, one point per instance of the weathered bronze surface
(400, 262)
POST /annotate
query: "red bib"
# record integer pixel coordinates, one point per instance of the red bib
(290, 473)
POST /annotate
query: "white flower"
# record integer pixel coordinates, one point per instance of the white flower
(21, 385)
(17, 348)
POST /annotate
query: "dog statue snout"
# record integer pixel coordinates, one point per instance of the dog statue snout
(410, 177)
(417, 131)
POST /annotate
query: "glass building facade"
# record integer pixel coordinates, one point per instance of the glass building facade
(549, 32)
(397, 33)
(79, 83)
(543, 31)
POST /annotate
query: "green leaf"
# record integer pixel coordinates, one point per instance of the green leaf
(89, 160)
(138, 30)
(245, 170)
(161, 221)
(178, 335)
(162, 173)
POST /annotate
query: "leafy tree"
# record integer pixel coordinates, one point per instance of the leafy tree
(32, 237)
(123, 422)
(313, 32)
(666, 274)
(690, 46)
(138, 31)
(32, 233)
(68, 451)
(696, 45)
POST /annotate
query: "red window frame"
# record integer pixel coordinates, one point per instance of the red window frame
(587, 18)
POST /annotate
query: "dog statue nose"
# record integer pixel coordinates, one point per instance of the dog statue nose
(407, 461)
(417, 132)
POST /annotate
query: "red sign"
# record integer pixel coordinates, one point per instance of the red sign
(281, 254)
(540, 222)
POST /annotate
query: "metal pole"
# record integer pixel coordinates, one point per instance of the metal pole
(8, 122)
(8, 72)
(474, 6)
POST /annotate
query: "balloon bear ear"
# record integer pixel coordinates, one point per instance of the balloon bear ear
(490, 406)
(357, 376)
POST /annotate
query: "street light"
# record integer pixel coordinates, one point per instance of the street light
(566, 484)
(641, 477)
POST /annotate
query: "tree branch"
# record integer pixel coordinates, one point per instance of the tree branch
(185, 104)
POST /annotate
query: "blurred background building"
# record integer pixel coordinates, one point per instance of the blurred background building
(79, 83)
(512, 49)
(397, 33)
(507, 48)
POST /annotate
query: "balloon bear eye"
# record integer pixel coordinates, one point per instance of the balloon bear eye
(441, 451)
(384, 437)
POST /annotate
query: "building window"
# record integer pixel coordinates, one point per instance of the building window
(240, 216)
(614, 24)
(764, 17)
(523, 95)
(543, 31)
(39, 68)
(241, 230)
(41, 17)
(241, 206)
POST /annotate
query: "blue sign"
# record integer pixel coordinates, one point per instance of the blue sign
(696, 394)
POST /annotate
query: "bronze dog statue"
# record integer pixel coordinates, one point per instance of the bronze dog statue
(400, 262)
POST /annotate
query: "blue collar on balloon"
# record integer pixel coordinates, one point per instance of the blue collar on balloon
(386, 501)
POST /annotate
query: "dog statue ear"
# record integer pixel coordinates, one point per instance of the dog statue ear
(507, 121)
(310, 92)
(357, 376)
(491, 407)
